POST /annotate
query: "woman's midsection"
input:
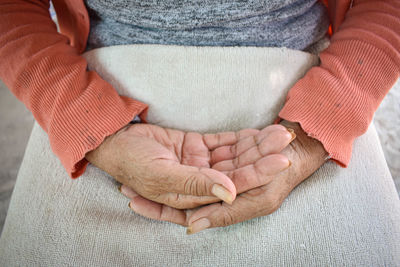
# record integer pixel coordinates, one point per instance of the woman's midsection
(275, 23)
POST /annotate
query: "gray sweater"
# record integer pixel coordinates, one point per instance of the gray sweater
(295, 24)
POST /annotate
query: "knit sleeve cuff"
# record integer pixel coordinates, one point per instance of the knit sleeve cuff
(93, 129)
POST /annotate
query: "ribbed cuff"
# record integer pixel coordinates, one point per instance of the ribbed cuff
(335, 103)
(98, 128)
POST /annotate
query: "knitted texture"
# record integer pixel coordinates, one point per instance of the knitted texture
(275, 23)
(75, 107)
(336, 101)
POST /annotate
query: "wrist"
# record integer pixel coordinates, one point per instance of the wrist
(307, 154)
(305, 142)
(96, 155)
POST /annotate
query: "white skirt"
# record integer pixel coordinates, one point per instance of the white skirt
(337, 217)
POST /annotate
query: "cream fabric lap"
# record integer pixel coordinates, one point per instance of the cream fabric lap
(205, 89)
(337, 217)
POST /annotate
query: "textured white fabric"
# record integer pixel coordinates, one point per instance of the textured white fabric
(387, 122)
(203, 88)
(337, 217)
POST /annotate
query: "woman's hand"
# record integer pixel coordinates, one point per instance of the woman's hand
(173, 167)
(306, 155)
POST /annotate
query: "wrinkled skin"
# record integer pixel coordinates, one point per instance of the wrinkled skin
(306, 155)
(173, 168)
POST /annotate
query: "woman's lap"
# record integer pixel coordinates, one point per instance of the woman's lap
(337, 217)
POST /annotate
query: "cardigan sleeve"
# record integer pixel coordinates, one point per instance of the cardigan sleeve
(74, 106)
(335, 102)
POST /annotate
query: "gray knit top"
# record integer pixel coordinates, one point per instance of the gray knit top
(295, 24)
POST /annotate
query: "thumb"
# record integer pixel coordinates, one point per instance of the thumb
(198, 181)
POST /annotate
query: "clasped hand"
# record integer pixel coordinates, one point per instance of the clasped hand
(182, 177)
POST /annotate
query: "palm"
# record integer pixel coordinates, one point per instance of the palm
(247, 157)
(174, 145)
(251, 154)
(160, 148)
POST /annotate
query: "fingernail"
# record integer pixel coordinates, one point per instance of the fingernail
(222, 193)
(291, 131)
(130, 206)
(198, 226)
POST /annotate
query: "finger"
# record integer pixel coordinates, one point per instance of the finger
(218, 215)
(127, 191)
(213, 141)
(260, 173)
(157, 211)
(180, 201)
(160, 212)
(273, 143)
(174, 200)
(234, 150)
(257, 202)
(191, 180)
(151, 209)
(194, 153)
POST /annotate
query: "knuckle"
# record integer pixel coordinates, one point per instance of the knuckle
(227, 218)
(194, 186)
(165, 212)
(237, 162)
(189, 185)
(233, 149)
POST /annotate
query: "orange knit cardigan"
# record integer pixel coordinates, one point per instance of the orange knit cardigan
(333, 102)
